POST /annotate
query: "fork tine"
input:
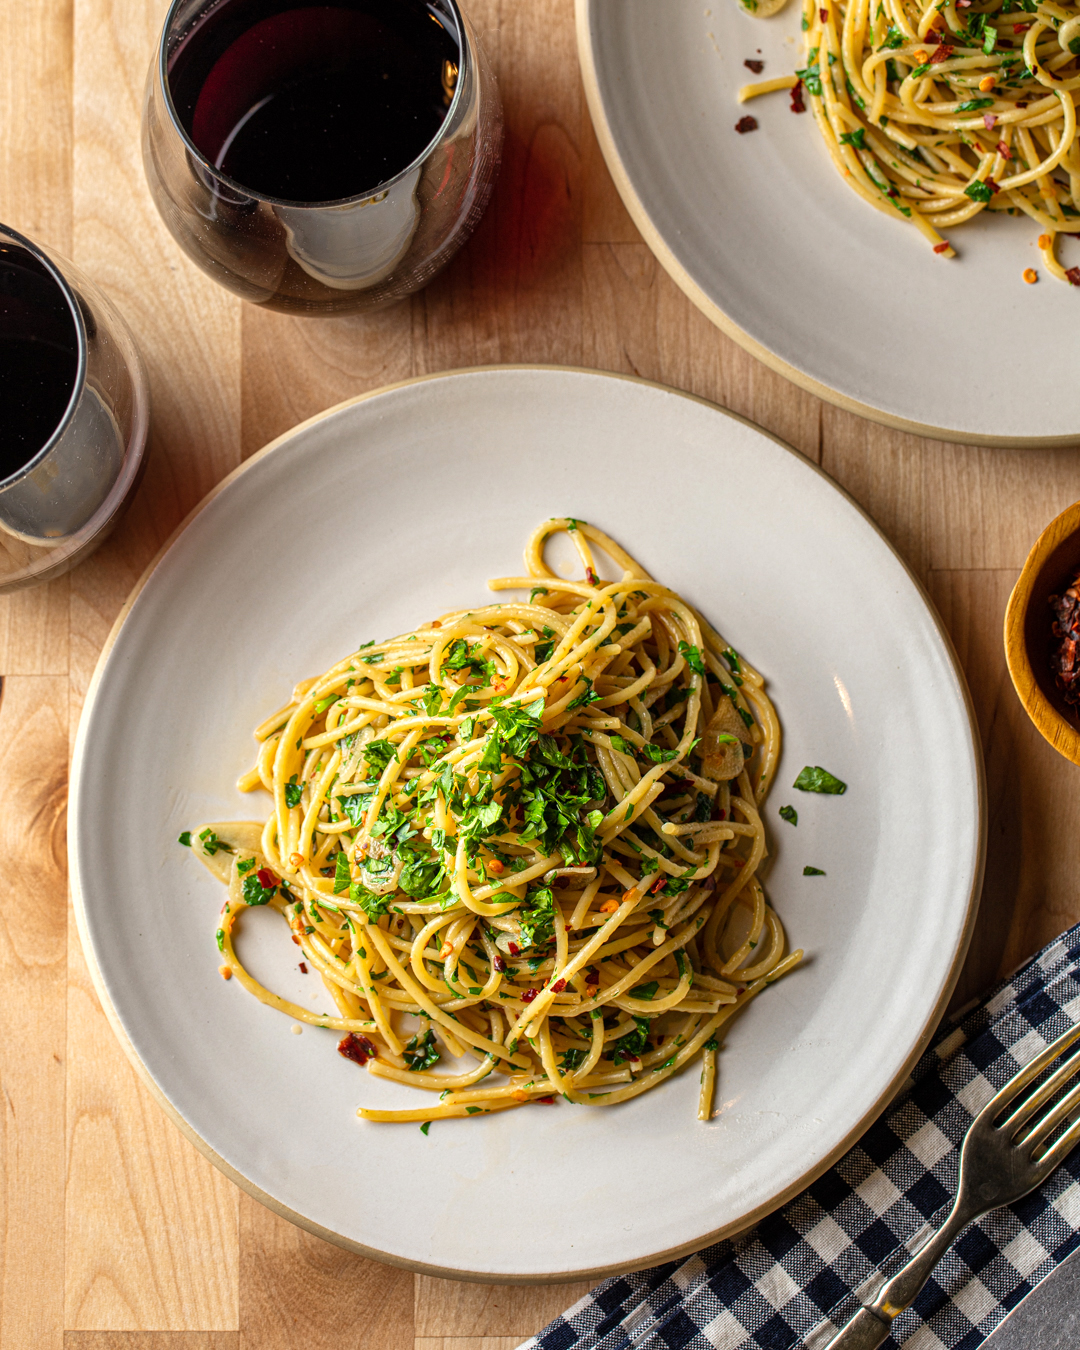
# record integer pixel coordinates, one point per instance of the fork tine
(1016, 1085)
(1059, 1151)
(1046, 1126)
(1050, 1088)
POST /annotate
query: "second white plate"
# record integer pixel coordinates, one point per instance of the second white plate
(397, 507)
(764, 236)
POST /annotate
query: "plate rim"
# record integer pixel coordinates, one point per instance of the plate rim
(658, 246)
(592, 1273)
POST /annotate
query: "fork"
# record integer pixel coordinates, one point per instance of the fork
(998, 1166)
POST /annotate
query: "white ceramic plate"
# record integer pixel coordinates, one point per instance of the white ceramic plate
(399, 506)
(764, 236)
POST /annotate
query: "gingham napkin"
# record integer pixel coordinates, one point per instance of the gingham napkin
(803, 1273)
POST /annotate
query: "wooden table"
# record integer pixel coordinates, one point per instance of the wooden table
(115, 1233)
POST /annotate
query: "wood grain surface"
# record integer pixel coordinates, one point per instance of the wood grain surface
(114, 1233)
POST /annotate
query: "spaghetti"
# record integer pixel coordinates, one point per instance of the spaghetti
(939, 111)
(533, 829)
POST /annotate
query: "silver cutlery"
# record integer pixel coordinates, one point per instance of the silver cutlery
(1006, 1153)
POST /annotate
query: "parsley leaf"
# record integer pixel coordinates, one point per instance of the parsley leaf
(692, 656)
(372, 905)
(789, 814)
(537, 917)
(491, 759)
(212, 844)
(421, 1052)
(519, 724)
(978, 192)
(812, 872)
(818, 779)
(185, 839)
(378, 755)
(633, 1042)
(659, 754)
(342, 879)
(293, 792)
(255, 893)
(856, 139)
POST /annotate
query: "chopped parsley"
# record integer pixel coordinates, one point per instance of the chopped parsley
(789, 814)
(812, 872)
(421, 1052)
(692, 656)
(212, 844)
(255, 893)
(817, 779)
(630, 1045)
(185, 839)
(293, 792)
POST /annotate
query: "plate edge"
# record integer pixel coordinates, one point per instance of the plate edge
(559, 1277)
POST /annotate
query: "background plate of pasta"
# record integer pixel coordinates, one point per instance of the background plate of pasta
(875, 197)
(525, 823)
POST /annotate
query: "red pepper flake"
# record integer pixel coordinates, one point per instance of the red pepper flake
(296, 939)
(990, 121)
(1004, 151)
(659, 885)
(590, 576)
(498, 964)
(941, 53)
(745, 124)
(823, 15)
(1073, 275)
(721, 814)
(797, 104)
(994, 187)
(357, 1048)
(267, 880)
(303, 968)
(515, 950)
(528, 995)
(545, 1101)
(942, 247)
(592, 976)
(558, 986)
(1021, 27)
(756, 66)
(933, 38)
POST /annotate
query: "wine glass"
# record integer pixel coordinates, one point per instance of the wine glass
(74, 414)
(321, 158)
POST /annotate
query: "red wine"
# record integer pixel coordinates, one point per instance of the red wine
(39, 357)
(315, 102)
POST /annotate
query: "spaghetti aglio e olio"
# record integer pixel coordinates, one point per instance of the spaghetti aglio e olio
(938, 111)
(527, 836)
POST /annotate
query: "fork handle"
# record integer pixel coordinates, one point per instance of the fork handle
(872, 1324)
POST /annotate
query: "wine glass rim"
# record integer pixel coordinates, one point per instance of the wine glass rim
(38, 253)
(251, 193)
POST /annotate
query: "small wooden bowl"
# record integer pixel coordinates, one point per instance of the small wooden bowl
(1051, 566)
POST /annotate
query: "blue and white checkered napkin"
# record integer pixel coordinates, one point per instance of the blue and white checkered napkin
(805, 1270)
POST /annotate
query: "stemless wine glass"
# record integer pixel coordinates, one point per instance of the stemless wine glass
(321, 158)
(74, 414)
